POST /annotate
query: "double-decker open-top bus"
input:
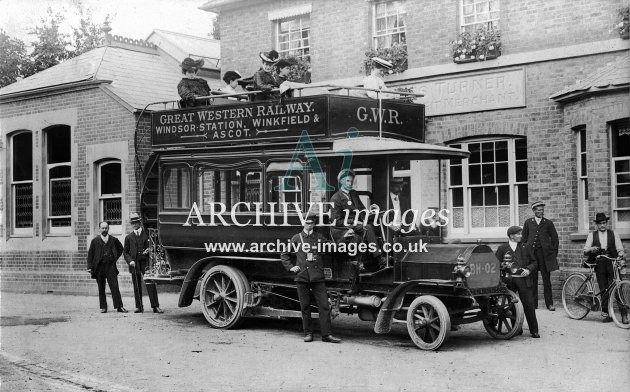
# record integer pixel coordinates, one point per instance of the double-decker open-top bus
(238, 173)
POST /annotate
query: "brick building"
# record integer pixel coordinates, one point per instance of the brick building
(545, 118)
(68, 157)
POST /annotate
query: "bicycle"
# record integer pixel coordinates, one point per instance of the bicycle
(578, 297)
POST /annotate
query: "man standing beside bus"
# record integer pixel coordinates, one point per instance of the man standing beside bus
(541, 235)
(136, 252)
(305, 260)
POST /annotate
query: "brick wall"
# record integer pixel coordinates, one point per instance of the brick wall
(340, 35)
(59, 263)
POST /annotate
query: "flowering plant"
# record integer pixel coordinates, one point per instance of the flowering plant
(396, 54)
(623, 26)
(479, 45)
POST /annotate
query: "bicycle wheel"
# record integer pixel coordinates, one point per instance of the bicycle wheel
(575, 296)
(619, 304)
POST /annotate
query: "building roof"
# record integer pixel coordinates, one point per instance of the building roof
(180, 46)
(612, 77)
(134, 72)
(217, 5)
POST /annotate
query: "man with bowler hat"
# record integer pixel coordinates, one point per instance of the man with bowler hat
(521, 281)
(101, 263)
(136, 252)
(305, 260)
(604, 242)
(540, 234)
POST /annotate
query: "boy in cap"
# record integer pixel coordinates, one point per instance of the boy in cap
(305, 260)
(522, 282)
(604, 242)
(541, 235)
(191, 87)
(231, 79)
(136, 252)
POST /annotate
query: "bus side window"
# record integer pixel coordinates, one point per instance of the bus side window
(284, 189)
(229, 187)
(176, 187)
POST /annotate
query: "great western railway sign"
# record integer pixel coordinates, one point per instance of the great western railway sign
(321, 116)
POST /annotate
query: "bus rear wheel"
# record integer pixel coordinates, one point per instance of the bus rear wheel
(222, 296)
(428, 322)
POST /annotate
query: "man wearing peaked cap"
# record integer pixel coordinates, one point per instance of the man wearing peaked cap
(304, 259)
(540, 234)
(603, 241)
(136, 251)
(522, 283)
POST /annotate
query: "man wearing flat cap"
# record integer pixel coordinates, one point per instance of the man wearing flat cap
(304, 259)
(521, 282)
(540, 234)
(191, 87)
(604, 242)
(136, 252)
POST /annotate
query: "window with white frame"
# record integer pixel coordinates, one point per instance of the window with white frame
(389, 25)
(583, 222)
(21, 182)
(109, 179)
(59, 177)
(488, 191)
(478, 13)
(620, 155)
(292, 37)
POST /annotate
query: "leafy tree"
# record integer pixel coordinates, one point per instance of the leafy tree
(51, 47)
(89, 34)
(12, 59)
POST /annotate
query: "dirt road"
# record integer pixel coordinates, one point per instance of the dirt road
(62, 343)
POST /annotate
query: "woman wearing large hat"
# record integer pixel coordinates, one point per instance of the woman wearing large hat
(264, 79)
(375, 79)
(191, 87)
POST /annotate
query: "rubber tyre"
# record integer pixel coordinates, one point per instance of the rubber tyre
(222, 296)
(570, 289)
(428, 322)
(620, 299)
(510, 318)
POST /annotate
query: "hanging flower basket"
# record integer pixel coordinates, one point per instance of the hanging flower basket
(623, 27)
(480, 45)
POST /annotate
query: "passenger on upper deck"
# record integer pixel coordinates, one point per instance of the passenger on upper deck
(192, 87)
(284, 70)
(375, 79)
(346, 202)
(264, 79)
(231, 79)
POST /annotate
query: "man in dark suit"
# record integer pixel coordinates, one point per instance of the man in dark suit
(346, 201)
(541, 236)
(399, 204)
(305, 260)
(521, 281)
(101, 264)
(136, 253)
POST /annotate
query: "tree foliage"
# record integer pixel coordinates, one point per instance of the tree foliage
(50, 45)
(12, 57)
(216, 34)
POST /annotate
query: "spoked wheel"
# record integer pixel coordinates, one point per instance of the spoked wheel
(428, 322)
(505, 316)
(619, 304)
(576, 296)
(222, 296)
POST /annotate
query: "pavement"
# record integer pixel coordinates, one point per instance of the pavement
(62, 343)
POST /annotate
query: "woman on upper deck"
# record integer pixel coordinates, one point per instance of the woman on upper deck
(231, 79)
(375, 79)
(264, 79)
(191, 87)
